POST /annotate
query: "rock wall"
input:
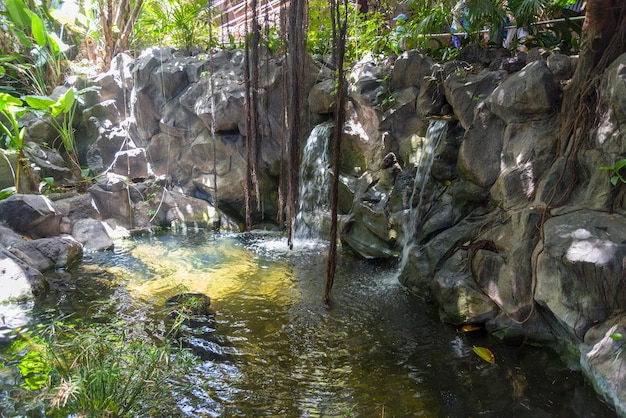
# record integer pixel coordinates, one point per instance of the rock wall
(496, 231)
(506, 235)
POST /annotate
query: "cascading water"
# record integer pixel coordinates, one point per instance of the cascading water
(424, 158)
(314, 185)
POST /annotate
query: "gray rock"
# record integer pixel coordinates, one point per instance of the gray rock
(33, 215)
(18, 280)
(92, 234)
(614, 89)
(603, 361)
(530, 94)
(111, 199)
(45, 254)
(465, 91)
(580, 268)
(482, 143)
(410, 69)
(132, 164)
(457, 296)
(322, 97)
(562, 66)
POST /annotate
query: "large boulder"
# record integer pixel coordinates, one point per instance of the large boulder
(483, 142)
(530, 94)
(410, 69)
(465, 90)
(18, 280)
(92, 234)
(111, 198)
(369, 231)
(526, 154)
(323, 97)
(602, 360)
(32, 215)
(580, 268)
(45, 254)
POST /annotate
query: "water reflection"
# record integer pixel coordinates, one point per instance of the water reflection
(279, 351)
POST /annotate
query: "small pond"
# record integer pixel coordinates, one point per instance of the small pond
(274, 349)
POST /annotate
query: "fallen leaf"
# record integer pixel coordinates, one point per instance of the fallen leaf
(485, 354)
(469, 328)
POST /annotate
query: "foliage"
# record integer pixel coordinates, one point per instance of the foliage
(367, 32)
(617, 171)
(12, 110)
(486, 19)
(107, 370)
(61, 113)
(32, 56)
(7, 192)
(181, 23)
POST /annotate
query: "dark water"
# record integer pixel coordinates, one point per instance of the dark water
(275, 350)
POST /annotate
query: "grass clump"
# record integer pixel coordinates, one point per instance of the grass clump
(96, 370)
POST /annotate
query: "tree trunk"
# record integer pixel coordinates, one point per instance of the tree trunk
(296, 56)
(603, 40)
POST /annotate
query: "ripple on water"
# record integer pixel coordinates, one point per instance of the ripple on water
(280, 351)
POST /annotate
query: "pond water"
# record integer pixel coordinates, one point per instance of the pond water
(274, 349)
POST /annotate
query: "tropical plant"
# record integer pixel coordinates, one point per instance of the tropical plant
(181, 23)
(12, 109)
(32, 57)
(104, 370)
(367, 32)
(60, 114)
(117, 25)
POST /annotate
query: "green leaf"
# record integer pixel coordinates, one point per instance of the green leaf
(17, 11)
(39, 102)
(37, 28)
(617, 336)
(8, 102)
(57, 45)
(9, 191)
(620, 164)
(66, 101)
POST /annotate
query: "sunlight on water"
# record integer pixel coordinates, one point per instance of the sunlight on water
(220, 270)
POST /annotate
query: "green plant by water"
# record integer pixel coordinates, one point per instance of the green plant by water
(71, 368)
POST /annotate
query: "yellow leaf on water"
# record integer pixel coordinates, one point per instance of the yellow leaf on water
(469, 328)
(485, 354)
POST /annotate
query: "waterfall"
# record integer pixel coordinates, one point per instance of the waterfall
(314, 201)
(424, 158)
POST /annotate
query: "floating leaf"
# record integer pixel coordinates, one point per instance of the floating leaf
(469, 328)
(485, 354)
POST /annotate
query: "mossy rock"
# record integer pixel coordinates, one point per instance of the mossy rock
(190, 303)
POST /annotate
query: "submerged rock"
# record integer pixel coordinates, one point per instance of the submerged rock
(189, 304)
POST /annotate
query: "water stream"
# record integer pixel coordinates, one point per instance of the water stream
(424, 158)
(276, 350)
(315, 184)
